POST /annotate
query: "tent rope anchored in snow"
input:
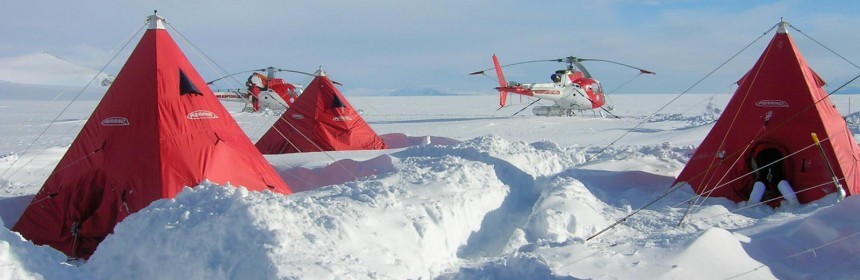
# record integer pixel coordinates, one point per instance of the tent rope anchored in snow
(56, 118)
(781, 88)
(708, 193)
(157, 130)
(321, 119)
(645, 120)
(698, 199)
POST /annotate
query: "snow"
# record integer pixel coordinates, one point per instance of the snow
(465, 192)
(44, 68)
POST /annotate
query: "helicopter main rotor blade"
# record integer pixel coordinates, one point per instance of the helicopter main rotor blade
(265, 69)
(643, 71)
(570, 60)
(517, 63)
(237, 73)
(294, 71)
(306, 73)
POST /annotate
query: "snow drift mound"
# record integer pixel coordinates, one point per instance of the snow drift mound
(519, 266)
(823, 245)
(408, 224)
(303, 179)
(400, 140)
(20, 259)
(542, 158)
(723, 255)
(566, 211)
(485, 207)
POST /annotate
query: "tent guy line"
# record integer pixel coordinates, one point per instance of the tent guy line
(780, 88)
(753, 205)
(789, 119)
(283, 134)
(161, 114)
(113, 55)
(323, 120)
(810, 250)
(757, 137)
(678, 96)
(748, 86)
(826, 47)
(674, 186)
(205, 58)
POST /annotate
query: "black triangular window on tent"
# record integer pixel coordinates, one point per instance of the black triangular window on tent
(186, 86)
(336, 103)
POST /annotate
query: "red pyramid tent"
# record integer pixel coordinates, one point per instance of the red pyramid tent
(321, 119)
(766, 126)
(158, 129)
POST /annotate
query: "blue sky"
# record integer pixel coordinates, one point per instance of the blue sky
(384, 45)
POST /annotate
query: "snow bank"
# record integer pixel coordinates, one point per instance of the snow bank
(566, 211)
(541, 158)
(303, 179)
(516, 267)
(20, 259)
(400, 140)
(823, 244)
(11, 208)
(406, 224)
(486, 207)
(714, 255)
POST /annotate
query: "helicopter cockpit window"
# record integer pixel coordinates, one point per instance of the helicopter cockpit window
(555, 77)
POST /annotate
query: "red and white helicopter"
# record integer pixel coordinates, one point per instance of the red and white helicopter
(264, 91)
(571, 89)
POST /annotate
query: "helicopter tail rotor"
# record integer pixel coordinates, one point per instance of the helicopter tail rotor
(503, 93)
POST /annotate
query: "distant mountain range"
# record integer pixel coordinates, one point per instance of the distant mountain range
(409, 91)
(44, 76)
(414, 91)
(44, 68)
(16, 91)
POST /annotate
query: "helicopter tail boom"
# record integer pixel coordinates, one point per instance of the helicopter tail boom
(503, 84)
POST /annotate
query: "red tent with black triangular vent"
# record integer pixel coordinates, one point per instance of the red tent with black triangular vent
(321, 119)
(158, 129)
(767, 126)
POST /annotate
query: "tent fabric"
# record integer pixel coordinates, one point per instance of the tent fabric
(321, 119)
(145, 141)
(777, 105)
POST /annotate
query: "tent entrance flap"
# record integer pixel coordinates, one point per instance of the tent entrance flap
(770, 163)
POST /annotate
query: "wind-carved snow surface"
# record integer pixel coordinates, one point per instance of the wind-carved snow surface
(20, 259)
(709, 115)
(484, 207)
(404, 224)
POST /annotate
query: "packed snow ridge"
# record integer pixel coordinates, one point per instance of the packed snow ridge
(485, 207)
